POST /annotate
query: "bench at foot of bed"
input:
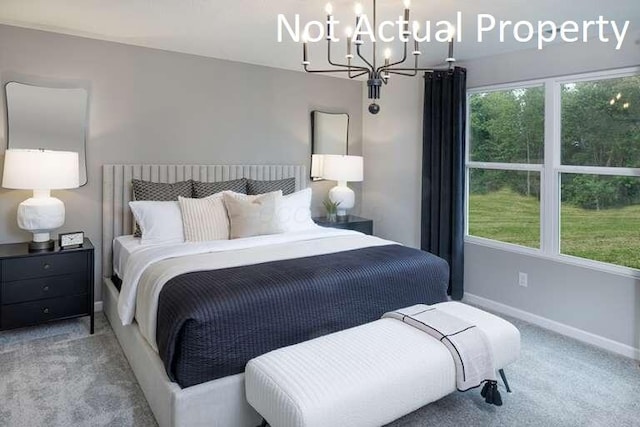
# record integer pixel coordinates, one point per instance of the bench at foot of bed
(366, 376)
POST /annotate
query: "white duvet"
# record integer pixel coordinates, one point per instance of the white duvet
(150, 267)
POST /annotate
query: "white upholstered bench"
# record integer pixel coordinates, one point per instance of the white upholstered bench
(369, 375)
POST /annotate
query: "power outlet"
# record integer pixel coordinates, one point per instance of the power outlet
(523, 279)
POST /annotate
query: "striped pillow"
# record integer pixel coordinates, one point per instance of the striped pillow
(204, 219)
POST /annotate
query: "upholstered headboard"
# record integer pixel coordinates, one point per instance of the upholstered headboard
(117, 191)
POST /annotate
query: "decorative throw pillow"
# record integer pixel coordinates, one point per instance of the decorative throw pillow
(204, 219)
(294, 211)
(206, 189)
(160, 222)
(160, 192)
(252, 215)
(287, 186)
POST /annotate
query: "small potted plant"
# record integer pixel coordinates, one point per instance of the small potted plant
(332, 209)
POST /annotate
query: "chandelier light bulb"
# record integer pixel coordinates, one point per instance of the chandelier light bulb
(613, 101)
(329, 9)
(618, 96)
(625, 105)
(387, 53)
(407, 4)
(452, 32)
(349, 32)
(358, 9)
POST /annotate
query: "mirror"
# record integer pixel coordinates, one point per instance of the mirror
(49, 118)
(329, 135)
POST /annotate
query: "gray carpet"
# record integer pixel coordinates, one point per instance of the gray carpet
(58, 375)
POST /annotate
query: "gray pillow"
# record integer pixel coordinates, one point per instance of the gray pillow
(206, 189)
(159, 192)
(287, 186)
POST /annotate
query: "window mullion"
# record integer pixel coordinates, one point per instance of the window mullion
(550, 200)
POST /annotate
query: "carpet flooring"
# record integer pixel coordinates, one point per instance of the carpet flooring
(59, 375)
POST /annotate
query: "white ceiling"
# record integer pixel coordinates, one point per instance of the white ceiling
(245, 30)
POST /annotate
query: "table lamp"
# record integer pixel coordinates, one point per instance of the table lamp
(342, 169)
(40, 171)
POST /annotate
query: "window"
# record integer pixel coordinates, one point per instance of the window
(600, 138)
(506, 150)
(580, 202)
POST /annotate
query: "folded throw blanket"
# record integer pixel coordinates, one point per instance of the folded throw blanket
(468, 345)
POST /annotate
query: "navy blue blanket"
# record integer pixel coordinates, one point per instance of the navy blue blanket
(211, 323)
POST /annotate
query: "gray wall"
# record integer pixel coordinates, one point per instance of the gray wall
(604, 304)
(152, 106)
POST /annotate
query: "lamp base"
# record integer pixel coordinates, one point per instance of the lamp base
(46, 246)
(344, 196)
(39, 215)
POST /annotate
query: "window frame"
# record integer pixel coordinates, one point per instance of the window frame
(551, 170)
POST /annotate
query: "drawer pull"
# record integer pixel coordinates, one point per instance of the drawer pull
(45, 311)
(46, 266)
(45, 288)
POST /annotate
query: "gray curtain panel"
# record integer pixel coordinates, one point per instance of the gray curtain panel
(443, 176)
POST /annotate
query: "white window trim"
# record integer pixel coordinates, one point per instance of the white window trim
(550, 173)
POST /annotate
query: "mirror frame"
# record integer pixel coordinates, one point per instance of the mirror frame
(28, 80)
(313, 141)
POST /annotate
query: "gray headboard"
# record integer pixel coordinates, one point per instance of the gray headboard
(117, 193)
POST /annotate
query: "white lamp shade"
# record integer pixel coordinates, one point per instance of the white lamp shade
(317, 165)
(342, 168)
(40, 170)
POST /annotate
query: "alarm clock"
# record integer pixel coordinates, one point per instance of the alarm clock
(71, 240)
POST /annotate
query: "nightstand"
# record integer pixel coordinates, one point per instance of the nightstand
(350, 222)
(39, 287)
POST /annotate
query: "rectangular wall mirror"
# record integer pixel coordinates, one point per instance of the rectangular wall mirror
(329, 135)
(49, 118)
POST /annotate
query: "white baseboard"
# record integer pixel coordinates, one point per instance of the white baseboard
(552, 325)
(97, 306)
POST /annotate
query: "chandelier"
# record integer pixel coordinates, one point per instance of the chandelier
(377, 74)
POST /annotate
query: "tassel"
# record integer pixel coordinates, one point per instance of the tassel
(497, 399)
(483, 393)
(491, 393)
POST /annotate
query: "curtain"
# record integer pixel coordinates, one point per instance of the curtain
(443, 171)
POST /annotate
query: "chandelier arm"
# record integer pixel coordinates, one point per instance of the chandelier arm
(390, 68)
(416, 70)
(404, 58)
(371, 68)
(358, 75)
(335, 64)
(415, 73)
(339, 70)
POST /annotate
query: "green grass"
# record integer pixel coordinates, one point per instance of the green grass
(609, 235)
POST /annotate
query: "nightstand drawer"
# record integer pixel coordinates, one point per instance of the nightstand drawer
(43, 266)
(29, 313)
(46, 287)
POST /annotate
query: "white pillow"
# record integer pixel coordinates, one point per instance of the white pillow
(160, 222)
(252, 215)
(204, 219)
(294, 211)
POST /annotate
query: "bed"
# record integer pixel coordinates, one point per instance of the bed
(285, 288)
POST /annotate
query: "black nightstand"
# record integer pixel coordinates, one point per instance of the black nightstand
(39, 287)
(350, 222)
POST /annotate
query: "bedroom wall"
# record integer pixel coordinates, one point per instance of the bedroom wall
(153, 106)
(595, 306)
